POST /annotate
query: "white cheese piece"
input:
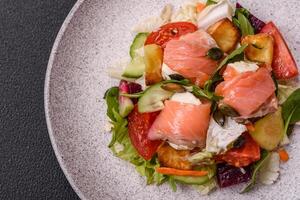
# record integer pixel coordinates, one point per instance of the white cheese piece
(218, 138)
(167, 71)
(214, 13)
(244, 66)
(269, 172)
(186, 97)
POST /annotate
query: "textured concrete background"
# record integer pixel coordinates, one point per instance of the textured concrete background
(28, 167)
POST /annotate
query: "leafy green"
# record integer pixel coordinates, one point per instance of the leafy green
(256, 167)
(121, 144)
(210, 2)
(284, 91)
(203, 157)
(111, 97)
(291, 109)
(119, 129)
(231, 57)
(198, 92)
(172, 183)
(242, 22)
(235, 56)
(206, 188)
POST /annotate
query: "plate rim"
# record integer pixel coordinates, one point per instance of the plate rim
(52, 58)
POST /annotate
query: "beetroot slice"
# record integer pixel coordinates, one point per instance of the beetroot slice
(134, 88)
(228, 175)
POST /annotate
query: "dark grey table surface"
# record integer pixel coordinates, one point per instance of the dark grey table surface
(28, 167)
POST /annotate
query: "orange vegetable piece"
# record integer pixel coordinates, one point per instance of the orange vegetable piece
(179, 172)
(244, 156)
(284, 156)
(200, 7)
(250, 127)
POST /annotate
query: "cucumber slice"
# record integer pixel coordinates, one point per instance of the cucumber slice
(137, 43)
(152, 99)
(125, 103)
(190, 180)
(135, 69)
(269, 131)
(125, 106)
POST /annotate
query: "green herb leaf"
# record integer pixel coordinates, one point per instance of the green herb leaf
(245, 26)
(210, 2)
(111, 97)
(264, 156)
(231, 58)
(291, 108)
(172, 183)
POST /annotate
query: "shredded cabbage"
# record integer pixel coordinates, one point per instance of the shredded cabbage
(206, 188)
(153, 23)
(269, 171)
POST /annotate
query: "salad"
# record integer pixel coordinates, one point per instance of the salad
(209, 98)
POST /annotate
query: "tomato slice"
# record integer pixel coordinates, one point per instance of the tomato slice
(170, 31)
(241, 157)
(138, 128)
(284, 65)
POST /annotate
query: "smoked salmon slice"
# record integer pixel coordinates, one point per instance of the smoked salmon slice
(182, 124)
(246, 92)
(188, 56)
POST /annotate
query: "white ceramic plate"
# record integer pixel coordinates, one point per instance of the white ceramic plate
(95, 35)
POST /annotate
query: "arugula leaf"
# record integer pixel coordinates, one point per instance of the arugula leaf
(172, 183)
(235, 56)
(119, 129)
(256, 167)
(111, 97)
(245, 26)
(210, 2)
(232, 57)
(242, 22)
(291, 109)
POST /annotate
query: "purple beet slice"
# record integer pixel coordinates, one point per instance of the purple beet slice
(228, 175)
(134, 87)
(255, 22)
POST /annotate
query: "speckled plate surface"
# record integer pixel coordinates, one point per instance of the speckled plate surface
(95, 35)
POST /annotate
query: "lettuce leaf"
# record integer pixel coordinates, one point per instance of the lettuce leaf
(284, 91)
(121, 145)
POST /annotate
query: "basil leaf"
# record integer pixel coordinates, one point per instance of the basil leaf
(291, 109)
(111, 97)
(210, 2)
(245, 25)
(264, 156)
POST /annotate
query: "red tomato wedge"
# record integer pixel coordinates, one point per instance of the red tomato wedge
(138, 128)
(170, 31)
(241, 157)
(284, 65)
